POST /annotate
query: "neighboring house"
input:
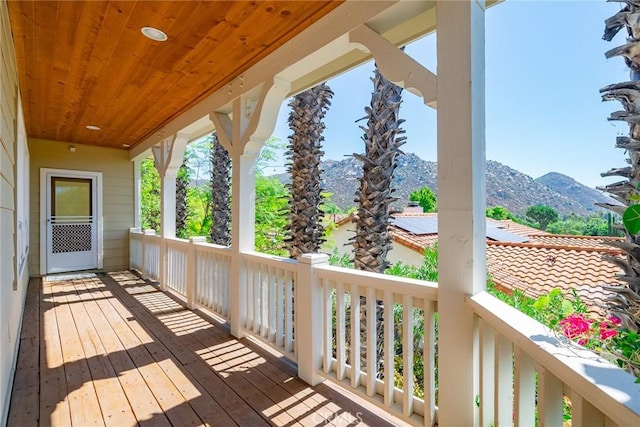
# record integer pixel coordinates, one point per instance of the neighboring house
(518, 256)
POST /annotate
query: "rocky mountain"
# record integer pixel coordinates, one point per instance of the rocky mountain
(505, 186)
(571, 188)
(517, 191)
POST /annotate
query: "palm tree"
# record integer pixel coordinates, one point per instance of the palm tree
(220, 184)
(625, 300)
(182, 182)
(382, 142)
(305, 232)
(382, 139)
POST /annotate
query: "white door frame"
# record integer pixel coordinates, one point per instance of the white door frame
(44, 172)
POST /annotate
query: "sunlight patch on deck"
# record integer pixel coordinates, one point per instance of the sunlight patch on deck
(68, 276)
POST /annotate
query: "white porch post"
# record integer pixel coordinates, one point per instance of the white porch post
(242, 235)
(230, 134)
(308, 303)
(137, 194)
(243, 136)
(168, 204)
(168, 158)
(461, 203)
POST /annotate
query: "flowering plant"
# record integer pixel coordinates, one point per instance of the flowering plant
(605, 336)
(589, 332)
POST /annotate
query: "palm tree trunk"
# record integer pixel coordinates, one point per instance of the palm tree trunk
(182, 182)
(624, 303)
(305, 232)
(372, 242)
(220, 186)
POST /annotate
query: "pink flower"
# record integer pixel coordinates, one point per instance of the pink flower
(574, 325)
(614, 320)
(606, 332)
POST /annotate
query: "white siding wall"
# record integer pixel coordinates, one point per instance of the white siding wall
(341, 235)
(14, 276)
(117, 186)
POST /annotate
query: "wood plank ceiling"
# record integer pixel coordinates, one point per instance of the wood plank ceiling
(87, 63)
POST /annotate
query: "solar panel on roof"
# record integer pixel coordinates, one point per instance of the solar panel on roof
(502, 235)
(417, 224)
(421, 225)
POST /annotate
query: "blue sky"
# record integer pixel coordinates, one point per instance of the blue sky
(544, 65)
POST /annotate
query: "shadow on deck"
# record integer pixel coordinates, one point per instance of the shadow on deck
(114, 350)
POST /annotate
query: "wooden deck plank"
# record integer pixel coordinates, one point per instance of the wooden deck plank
(240, 410)
(83, 401)
(140, 357)
(310, 407)
(116, 410)
(172, 402)
(143, 403)
(243, 361)
(185, 345)
(54, 405)
(239, 361)
(274, 377)
(25, 409)
(195, 394)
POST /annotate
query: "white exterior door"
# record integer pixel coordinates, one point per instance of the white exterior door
(72, 229)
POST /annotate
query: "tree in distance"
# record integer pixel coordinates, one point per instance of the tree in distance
(425, 198)
(543, 215)
(499, 213)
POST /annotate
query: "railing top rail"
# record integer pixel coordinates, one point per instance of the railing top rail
(401, 285)
(176, 240)
(272, 260)
(604, 385)
(213, 246)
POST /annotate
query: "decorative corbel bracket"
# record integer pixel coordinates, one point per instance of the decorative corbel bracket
(395, 65)
(253, 118)
(169, 154)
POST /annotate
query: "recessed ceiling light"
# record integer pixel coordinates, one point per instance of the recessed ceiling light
(92, 127)
(126, 145)
(154, 34)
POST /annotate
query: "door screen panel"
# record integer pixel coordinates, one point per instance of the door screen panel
(70, 238)
(71, 215)
(71, 197)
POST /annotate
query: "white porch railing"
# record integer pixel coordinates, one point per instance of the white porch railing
(212, 277)
(407, 305)
(196, 270)
(526, 375)
(135, 250)
(270, 293)
(177, 265)
(144, 250)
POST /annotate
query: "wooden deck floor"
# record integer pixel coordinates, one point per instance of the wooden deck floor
(114, 350)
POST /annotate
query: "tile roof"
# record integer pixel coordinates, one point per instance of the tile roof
(543, 263)
(413, 241)
(536, 270)
(593, 242)
(514, 227)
